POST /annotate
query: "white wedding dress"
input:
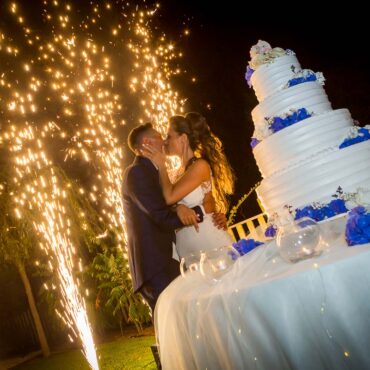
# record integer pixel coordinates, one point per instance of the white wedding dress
(188, 240)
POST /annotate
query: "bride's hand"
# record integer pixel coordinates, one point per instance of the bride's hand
(152, 153)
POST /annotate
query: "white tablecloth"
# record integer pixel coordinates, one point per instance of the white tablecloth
(269, 314)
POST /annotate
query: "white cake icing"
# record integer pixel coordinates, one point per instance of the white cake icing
(317, 179)
(301, 164)
(309, 95)
(308, 137)
(271, 77)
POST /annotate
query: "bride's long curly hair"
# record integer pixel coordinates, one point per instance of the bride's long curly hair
(208, 146)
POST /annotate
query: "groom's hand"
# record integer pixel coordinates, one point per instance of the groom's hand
(187, 216)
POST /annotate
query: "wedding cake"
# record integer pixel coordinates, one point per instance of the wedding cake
(309, 155)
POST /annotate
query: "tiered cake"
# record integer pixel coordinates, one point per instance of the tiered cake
(304, 149)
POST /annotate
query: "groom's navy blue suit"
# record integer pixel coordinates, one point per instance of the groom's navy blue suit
(151, 228)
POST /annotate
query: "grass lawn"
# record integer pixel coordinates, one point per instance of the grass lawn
(125, 353)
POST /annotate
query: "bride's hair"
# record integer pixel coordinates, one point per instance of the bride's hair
(208, 146)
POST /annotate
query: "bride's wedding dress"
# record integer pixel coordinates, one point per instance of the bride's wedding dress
(188, 240)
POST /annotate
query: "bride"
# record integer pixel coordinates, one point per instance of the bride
(205, 169)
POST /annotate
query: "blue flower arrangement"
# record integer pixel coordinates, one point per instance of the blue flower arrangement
(363, 134)
(279, 123)
(335, 207)
(358, 226)
(310, 76)
(270, 232)
(248, 75)
(254, 142)
(244, 246)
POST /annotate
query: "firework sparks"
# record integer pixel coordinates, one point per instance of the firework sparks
(61, 85)
(42, 193)
(154, 72)
(153, 66)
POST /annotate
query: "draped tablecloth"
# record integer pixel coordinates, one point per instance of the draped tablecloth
(269, 314)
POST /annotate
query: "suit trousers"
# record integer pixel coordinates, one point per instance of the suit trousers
(158, 283)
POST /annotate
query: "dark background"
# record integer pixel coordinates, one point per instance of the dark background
(333, 41)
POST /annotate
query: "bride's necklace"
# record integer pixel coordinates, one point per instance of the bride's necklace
(190, 162)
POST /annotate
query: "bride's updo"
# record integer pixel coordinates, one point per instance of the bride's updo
(208, 146)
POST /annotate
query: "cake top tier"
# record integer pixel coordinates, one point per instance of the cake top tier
(271, 69)
(286, 93)
(263, 53)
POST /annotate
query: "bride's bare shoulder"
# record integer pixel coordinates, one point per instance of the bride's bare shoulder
(200, 167)
(201, 163)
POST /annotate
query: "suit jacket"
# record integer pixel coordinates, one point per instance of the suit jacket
(150, 222)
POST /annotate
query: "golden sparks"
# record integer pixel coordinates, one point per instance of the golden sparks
(153, 71)
(63, 85)
(42, 192)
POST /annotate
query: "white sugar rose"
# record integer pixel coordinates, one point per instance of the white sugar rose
(262, 132)
(352, 132)
(276, 52)
(360, 198)
(320, 78)
(284, 216)
(261, 47)
(258, 60)
(262, 54)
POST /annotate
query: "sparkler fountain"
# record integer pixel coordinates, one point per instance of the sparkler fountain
(60, 84)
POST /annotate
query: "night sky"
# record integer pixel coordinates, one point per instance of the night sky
(217, 53)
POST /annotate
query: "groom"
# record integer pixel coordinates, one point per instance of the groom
(151, 224)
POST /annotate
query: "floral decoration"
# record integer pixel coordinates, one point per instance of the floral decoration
(293, 116)
(270, 231)
(358, 226)
(305, 75)
(262, 53)
(356, 135)
(244, 246)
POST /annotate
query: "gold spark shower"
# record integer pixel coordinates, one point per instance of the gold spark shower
(52, 86)
(40, 192)
(62, 89)
(153, 67)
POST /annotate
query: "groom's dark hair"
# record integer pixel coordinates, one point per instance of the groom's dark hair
(136, 134)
